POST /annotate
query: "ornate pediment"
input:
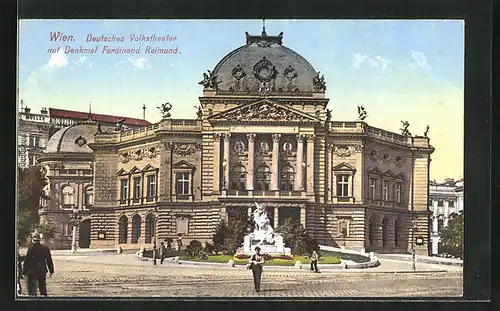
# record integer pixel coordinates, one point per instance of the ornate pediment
(183, 165)
(263, 110)
(343, 167)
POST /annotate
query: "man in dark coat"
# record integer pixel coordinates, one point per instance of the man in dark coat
(38, 258)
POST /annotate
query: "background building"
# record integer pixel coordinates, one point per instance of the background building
(35, 129)
(445, 198)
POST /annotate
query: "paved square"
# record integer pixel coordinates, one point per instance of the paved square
(127, 276)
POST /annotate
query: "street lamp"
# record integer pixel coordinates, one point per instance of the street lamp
(414, 226)
(155, 219)
(75, 217)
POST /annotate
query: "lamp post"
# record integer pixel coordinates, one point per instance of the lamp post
(75, 217)
(414, 226)
(154, 237)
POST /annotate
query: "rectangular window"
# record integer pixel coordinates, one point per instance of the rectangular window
(399, 190)
(342, 185)
(373, 187)
(451, 203)
(440, 203)
(386, 190)
(123, 190)
(66, 229)
(137, 189)
(440, 225)
(182, 183)
(31, 141)
(31, 159)
(151, 187)
(37, 141)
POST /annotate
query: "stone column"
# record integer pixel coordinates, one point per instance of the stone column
(434, 224)
(299, 182)
(310, 164)
(216, 151)
(446, 213)
(227, 154)
(303, 216)
(329, 178)
(276, 219)
(251, 158)
(275, 162)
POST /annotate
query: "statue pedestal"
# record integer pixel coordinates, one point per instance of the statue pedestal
(246, 244)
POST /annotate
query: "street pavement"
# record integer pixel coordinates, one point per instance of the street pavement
(111, 275)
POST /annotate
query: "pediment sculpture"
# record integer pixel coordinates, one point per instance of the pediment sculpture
(263, 111)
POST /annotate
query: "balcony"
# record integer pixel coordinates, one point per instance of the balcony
(382, 203)
(263, 193)
(343, 200)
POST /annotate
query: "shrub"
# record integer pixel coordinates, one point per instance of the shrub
(295, 237)
(209, 248)
(267, 257)
(284, 257)
(229, 236)
(193, 249)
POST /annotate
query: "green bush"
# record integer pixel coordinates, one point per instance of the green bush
(209, 248)
(295, 237)
(228, 237)
(193, 249)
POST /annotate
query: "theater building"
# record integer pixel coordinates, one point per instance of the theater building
(263, 134)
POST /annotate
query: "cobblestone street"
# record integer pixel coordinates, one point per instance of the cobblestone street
(126, 276)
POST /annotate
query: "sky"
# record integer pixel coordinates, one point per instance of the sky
(399, 70)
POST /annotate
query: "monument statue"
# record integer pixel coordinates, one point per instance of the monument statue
(263, 235)
(263, 230)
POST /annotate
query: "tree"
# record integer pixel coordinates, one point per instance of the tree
(295, 237)
(229, 236)
(452, 236)
(30, 184)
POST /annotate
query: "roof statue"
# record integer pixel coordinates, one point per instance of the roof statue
(165, 110)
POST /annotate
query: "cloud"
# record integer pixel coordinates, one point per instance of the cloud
(81, 60)
(139, 63)
(57, 60)
(419, 59)
(378, 63)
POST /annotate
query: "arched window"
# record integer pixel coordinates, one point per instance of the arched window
(238, 178)
(372, 223)
(68, 194)
(263, 178)
(122, 230)
(397, 232)
(150, 228)
(287, 178)
(136, 228)
(89, 197)
(385, 231)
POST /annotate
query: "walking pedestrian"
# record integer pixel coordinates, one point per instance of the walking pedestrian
(179, 242)
(256, 262)
(314, 262)
(38, 259)
(20, 260)
(163, 252)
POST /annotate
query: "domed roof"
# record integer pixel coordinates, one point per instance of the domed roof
(72, 139)
(264, 66)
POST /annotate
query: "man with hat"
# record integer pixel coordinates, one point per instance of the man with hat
(256, 262)
(38, 258)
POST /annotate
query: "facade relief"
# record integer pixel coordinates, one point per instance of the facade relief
(139, 154)
(345, 151)
(184, 149)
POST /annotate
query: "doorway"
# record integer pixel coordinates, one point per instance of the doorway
(84, 231)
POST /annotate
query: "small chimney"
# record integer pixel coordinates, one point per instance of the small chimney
(43, 111)
(27, 110)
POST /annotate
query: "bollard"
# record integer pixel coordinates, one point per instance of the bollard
(362, 252)
(119, 250)
(298, 264)
(371, 255)
(230, 263)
